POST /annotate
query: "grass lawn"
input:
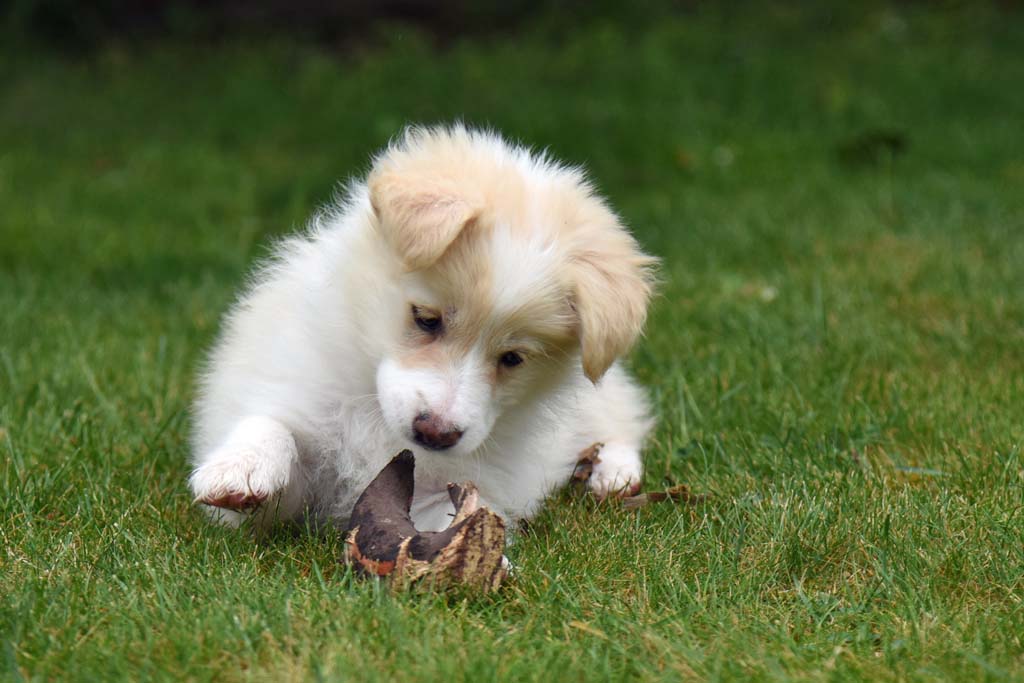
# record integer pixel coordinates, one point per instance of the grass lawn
(836, 356)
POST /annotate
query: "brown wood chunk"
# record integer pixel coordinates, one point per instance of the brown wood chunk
(381, 539)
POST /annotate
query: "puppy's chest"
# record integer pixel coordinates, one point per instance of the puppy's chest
(351, 434)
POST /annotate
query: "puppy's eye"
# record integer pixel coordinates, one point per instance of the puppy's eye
(426, 322)
(510, 359)
(432, 325)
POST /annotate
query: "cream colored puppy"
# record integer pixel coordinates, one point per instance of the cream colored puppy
(469, 301)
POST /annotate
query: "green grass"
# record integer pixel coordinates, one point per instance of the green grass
(837, 353)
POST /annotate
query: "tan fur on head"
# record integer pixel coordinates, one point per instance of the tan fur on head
(613, 284)
(421, 197)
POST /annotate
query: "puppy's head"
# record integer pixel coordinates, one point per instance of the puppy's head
(513, 269)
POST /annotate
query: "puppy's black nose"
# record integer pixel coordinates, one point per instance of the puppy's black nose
(433, 433)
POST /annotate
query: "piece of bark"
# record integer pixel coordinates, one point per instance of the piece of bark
(382, 541)
(585, 462)
(680, 493)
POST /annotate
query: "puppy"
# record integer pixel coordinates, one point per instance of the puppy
(468, 301)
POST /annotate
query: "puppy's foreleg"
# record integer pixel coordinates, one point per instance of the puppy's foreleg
(253, 473)
(616, 414)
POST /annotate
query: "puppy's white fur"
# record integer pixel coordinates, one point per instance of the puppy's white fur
(322, 368)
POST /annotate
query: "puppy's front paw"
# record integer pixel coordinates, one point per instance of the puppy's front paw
(239, 478)
(618, 471)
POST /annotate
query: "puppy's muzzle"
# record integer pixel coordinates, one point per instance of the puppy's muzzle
(431, 432)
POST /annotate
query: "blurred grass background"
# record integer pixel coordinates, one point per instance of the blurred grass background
(836, 355)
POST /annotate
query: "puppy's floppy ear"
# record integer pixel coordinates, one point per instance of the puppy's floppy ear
(613, 284)
(419, 215)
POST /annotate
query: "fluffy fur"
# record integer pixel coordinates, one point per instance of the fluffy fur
(397, 320)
